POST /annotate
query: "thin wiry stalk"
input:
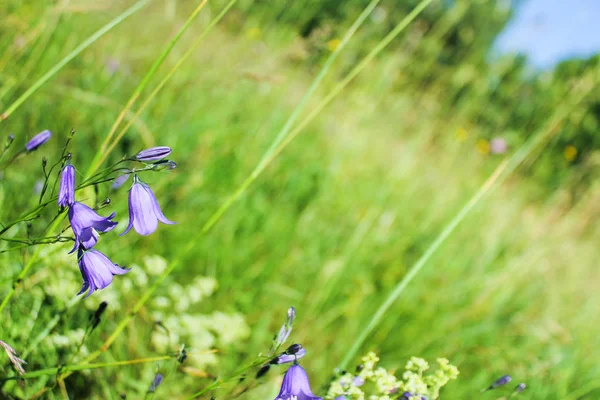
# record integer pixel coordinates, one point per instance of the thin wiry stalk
(505, 169)
(76, 367)
(275, 148)
(169, 75)
(104, 148)
(54, 70)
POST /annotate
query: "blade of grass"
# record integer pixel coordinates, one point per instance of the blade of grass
(505, 169)
(76, 367)
(103, 152)
(162, 83)
(54, 70)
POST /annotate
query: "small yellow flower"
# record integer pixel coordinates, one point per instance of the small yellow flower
(333, 44)
(570, 153)
(483, 146)
(461, 134)
(253, 33)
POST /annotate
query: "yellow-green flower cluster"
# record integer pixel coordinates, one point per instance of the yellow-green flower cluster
(376, 383)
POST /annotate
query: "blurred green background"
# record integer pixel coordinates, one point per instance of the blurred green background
(334, 222)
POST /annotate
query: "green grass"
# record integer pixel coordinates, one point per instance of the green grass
(331, 226)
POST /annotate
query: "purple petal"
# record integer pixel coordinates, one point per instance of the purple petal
(157, 211)
(142, 205)
(153, 154)
(38, 140)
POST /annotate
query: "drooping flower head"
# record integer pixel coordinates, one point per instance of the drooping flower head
(120, 181)
(503, 380)
(38, 140)
(66, 194)
(97, 270)
(296, 386)
(153, 154)
(86, 224)
(144, 211)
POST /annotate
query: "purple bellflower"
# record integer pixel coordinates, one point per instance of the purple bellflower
(86, 224)
(153, 154)
(289, 357)
(120, 181)
(66, 194)
(38, 140)
(97, 270)
(144, 211)
(296, 386)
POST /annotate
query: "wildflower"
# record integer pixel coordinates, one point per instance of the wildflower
(153, 154)
(519, 388)
(144, 211)
(97, 270)
(296, 386)
(498, 146)
(570, 153)
(286, 329)
(293, 353)
(66, 194)
(156, 382)
(86, 224)
(38, 140)
(503, 380)
(483, 146)
(461, 134)
(333, 44)
(120, 181)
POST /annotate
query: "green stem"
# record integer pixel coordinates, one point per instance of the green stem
(77, 367)
(54, 70)
(104, 148)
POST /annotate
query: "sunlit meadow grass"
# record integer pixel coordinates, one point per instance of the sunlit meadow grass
(330, 227)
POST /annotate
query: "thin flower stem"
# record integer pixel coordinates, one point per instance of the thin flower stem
(77, 367)
(220, 382)
(500, 174)
(54, 70)
(162, 83)
(104, 148)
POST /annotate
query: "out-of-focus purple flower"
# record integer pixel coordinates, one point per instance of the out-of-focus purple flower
(38, 186)
(503, 380)
(519, 388)
(358, 381)
(153, 154)
(144, 211)
(409, 395)
(86, 224)
(289, 357)
(38, 140)
(296, 386)
(156, 382)
(66, 194)
(341, 398)
(112, 65)
(498, 145)
(120, 181)
(97, 270)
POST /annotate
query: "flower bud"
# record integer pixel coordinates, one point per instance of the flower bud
(153, 154)
(38, 140)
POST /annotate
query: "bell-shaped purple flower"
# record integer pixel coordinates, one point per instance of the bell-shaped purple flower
(97, 270)
(120, 181)
(38, 140)
(86, 224)
(66, 194)
(144, 211)
(296, 386)
(153, 154)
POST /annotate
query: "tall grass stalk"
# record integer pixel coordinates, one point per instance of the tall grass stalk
(54, 70)
(104, 147)
(174, 69)
(503, 171)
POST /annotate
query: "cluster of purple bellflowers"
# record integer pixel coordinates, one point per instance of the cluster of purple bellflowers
(97, 270)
